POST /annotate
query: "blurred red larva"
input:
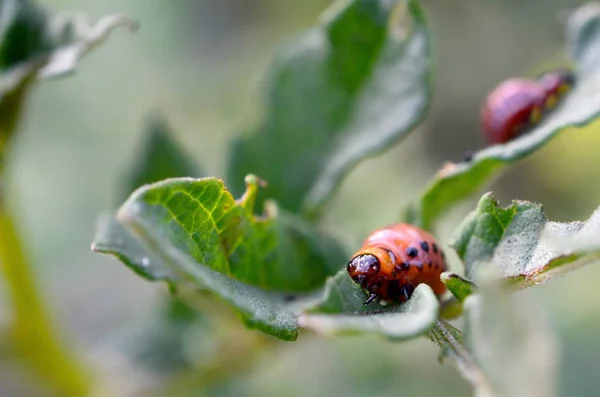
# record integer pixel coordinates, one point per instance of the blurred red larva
(518, 104)
(394, 260)
(510, 108)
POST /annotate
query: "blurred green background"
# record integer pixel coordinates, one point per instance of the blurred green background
(200, 63)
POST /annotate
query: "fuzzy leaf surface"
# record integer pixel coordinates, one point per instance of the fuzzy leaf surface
(526, 248)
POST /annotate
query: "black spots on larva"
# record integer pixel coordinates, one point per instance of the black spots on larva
(419, 266)
(393, 289)
(412, 252)
(425, 246)
(430, 265)
(401, 266)
(435, 248)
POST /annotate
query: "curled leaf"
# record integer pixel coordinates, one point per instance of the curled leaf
(526, 247)
(192, 232)
(342, 312)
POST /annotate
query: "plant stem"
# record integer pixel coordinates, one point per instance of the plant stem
(444, 335)
(32, 336)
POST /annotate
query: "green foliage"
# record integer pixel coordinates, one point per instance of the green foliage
(193, 228)
(526, 248)
(457, 181)
(201, 218)
(340, 92)
(185, 229)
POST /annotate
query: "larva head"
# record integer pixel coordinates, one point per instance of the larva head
(557, 83)
(365, 267)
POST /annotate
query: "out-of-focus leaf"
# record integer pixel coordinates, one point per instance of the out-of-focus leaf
(29, 31)
(161, 347)
(340, 92)
(511, 342)
(14, 84)
(193, 231)
(457, 181)
(342, 312)
(583, 35)
(160, 157)
(527, 248)
(37, 43)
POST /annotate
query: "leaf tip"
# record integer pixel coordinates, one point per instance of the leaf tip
(253, 184)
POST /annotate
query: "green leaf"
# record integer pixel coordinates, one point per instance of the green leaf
(186, 230)
(457, 181)
(159, 157)
(112, 237)
(460, 287)
(269, 312)
(511, 342)
(524, 245)
(340, 92)
(341, 311)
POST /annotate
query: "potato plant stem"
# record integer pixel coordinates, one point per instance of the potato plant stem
(32, 336)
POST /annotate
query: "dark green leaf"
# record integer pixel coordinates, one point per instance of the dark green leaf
(340, 92)
(160, 157)
(457, 181)
(185, 229)
(14, 84)
(29, 31)
(342, 312)
(524, 245)
(267, 311)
